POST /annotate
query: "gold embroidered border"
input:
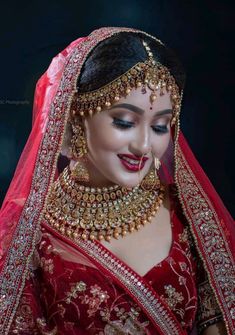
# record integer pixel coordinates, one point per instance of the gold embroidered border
(206, 228)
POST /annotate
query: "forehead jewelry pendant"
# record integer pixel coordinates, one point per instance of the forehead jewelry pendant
(152, 76)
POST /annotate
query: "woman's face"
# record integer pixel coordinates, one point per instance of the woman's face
(120, 135)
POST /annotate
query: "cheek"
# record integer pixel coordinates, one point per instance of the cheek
(161, 144)
(103, 136)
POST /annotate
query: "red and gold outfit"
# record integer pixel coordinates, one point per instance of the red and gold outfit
(50, 284)
(76, 297)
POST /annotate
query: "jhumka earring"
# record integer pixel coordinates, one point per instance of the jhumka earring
(151, 180)
(79, 152)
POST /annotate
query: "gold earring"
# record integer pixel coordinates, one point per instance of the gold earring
(80, 172)
(151, 180)
(157, 163)
(79, 152)
(141, 159)
(78, 142)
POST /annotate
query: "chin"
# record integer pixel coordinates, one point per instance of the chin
(129, 180)
(128, 183)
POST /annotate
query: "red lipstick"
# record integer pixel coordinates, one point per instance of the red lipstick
(132, 162)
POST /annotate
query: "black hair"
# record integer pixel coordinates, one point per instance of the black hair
(117, 54)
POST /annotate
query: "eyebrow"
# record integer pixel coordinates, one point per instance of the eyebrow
(140, 111)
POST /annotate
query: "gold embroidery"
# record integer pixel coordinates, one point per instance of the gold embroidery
(94, 301)
(75, 288)
(126, 322)
(47, 265)
(173, 297)
(61, 310)
(42, 325)
(24, 321)
(206, 226)
(185, 236)
(208, 307)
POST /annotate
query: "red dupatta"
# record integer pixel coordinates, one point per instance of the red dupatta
(21, 213)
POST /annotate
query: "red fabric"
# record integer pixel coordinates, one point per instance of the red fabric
(72, 295)
(68, 310)
(175, 277)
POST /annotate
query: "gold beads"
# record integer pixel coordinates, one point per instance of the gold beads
(116, 235)
(124, 232)
(84, 236)
(149, 73)
(92, 214)
(100, 237)
(153, 97)
(92, 237)
(108, 238)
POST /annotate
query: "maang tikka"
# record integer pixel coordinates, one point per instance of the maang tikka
(79, 152)
(146, 74)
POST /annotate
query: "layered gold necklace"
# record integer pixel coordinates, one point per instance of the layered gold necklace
(99, 213)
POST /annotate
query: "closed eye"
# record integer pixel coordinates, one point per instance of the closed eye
(121, 124)
(160, 129)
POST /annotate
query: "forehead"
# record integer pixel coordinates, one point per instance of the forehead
(142, 100)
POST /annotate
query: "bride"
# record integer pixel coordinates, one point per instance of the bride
(110, 226)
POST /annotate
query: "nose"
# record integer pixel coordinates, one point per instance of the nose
(140, 145)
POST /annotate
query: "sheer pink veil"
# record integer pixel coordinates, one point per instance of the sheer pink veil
(21, 213)
(21, 183)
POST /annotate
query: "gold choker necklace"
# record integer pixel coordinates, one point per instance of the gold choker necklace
(99, 213)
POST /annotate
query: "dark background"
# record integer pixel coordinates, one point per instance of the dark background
(199, 31)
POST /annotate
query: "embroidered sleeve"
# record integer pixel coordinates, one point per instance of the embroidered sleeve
(208, 310)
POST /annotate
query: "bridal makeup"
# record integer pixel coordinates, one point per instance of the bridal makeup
(132, 162)
(121, 139)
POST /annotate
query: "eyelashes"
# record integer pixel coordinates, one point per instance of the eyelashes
(124, 125)
(160, 129)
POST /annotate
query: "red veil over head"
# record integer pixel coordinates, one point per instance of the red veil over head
(211, 225)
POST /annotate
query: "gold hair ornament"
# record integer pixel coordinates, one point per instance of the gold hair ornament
(149, 74)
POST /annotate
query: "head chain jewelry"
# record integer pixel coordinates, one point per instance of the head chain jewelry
(149, 74)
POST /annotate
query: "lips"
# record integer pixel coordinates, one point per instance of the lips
(132, 162)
